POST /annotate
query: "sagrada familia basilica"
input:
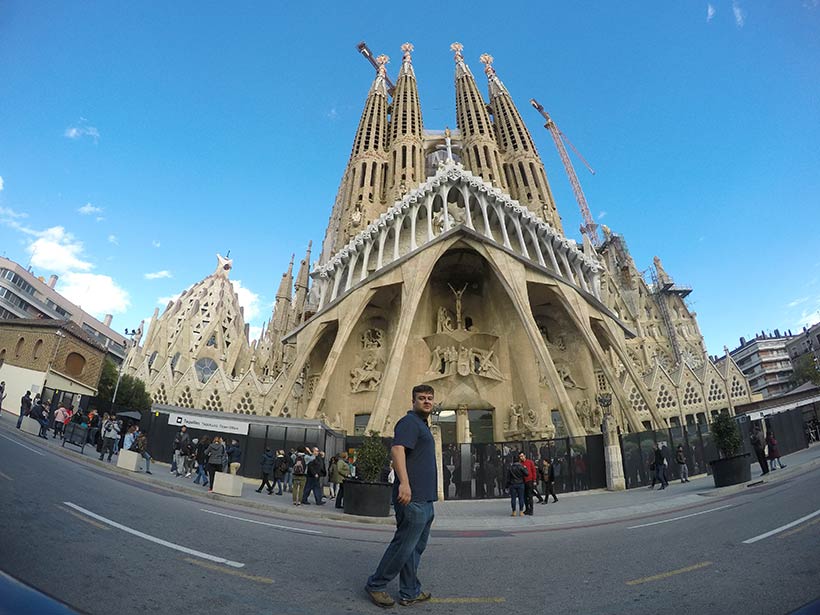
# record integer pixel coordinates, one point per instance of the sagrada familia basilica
(445, 261)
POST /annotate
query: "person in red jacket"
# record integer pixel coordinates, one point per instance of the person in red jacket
(529, 483)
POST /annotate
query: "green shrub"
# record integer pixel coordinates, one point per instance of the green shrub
(726, 435)
(371, 458)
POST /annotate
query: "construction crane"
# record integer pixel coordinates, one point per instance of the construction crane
(589, 228)
(365, 51)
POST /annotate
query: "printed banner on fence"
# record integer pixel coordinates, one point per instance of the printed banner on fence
(207, 423)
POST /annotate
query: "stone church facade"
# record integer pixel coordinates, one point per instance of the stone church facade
(444, 261)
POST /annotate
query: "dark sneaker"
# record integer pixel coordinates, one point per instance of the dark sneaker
(381, 599)
(422, 597)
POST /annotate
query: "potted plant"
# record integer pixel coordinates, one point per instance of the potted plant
(733, 466)
(367, 494)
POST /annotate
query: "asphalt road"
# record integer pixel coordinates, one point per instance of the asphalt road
(106, 544)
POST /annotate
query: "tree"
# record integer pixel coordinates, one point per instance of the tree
(131, 392)
(726, 435)
(805, 370)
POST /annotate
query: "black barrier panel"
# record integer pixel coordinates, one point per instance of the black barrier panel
(788, 431)
(75, 434)
(479, 471)
(253, 447)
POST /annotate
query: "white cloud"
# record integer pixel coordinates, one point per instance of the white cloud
(1, 183)
(710, 12)
(82, 129)
(332, 114)
(247, 299)
(57, 250)
(99, 218)
(740, 14)
(797, 302)
(7, 212)
(168, 299)
(89, 209)
(158, 275)
(254, 333)
(602, 215)
(96, 294)
(155, 243)
(113, 239)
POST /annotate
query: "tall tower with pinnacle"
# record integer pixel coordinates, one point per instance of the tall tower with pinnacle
(361, 195)
(523, 170)
(406, 154)
(479, 149)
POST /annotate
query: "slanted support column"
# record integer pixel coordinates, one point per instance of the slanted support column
(487, 231)
(539, 255)
(398, 222)
(351, 266)
(502, 219)
(580, 275)
(429, 206)
(567, 268)
(520, 236)
(366, 259)
(465, 196)
(385, 231)
(337, 279)
(413, 213)
(551, 254)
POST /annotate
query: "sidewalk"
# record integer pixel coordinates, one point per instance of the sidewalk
(572, 509)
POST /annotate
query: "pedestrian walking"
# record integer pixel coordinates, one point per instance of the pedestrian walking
(201, 463)
(181, 441)
(315, 471)
(759, 446)
(130, 438)
(189, 456)
(548, 478)
(60, 419)
(774, 451)
(280, 468)
(530, 483)
(110, 433)
(25, 408)
(660, 467)
(215, 457)
(415, 490)
(39, 413)
(291, 457)
(299, 471)
(342, 469)
(517, 474)
(234, 457)
(683, 469)
(267, 462)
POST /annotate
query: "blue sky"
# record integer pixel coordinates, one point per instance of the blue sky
(139, 139)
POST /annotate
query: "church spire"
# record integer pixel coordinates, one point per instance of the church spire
(406, 154)
(478, 146)
(302, 281)
(361, 195)
(523, 170)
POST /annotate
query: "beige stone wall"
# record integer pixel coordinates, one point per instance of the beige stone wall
(35, 347)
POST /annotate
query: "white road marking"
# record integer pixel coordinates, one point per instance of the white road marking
(159, 541)
(281, 527)
(781, 528)
(703, 512)
(33, 450)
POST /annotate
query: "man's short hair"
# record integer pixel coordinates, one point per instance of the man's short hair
(422, 388)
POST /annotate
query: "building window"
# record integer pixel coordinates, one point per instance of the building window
(152, 358)
(74, 364)
(360, 422)
(174, 361)
(19, 347)
(38, 345)
(205, 368)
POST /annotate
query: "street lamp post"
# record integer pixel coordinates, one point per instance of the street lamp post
(60, 335)
(615, 480)
(128, 342)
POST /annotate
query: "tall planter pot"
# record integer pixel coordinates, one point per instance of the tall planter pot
(367, 499)
(732, 470)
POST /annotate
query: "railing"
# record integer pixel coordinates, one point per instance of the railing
(451, 198)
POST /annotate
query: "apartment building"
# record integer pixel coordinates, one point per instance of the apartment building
(765, 362)
(25, 295)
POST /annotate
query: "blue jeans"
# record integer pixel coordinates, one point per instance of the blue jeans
(404, 551)
(20, 419)
(201, 473)
(517, 495)
(315, 487)
(147, 458)
(289, 480)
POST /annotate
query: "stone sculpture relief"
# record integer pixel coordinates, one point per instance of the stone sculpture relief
(567, 379)
(515, 417)
(463, 360)
(367, 376)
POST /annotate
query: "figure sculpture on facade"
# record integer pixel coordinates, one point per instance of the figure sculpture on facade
(366, 377)
(514, 421)
(444, 322)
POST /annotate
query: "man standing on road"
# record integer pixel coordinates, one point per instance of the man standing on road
(415, 490)
(181, 442)
(25, 408)
(315, 471)
(110, 434)
(759, 446)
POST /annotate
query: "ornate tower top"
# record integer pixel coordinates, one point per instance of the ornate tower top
(407, 48)
(457, 48)
(223, 266)
(487, 60)
(382, 61)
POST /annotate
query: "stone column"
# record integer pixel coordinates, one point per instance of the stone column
(463, 435)
(436, 431)
(615, 480)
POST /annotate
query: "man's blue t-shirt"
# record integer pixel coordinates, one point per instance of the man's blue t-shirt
(413, 433)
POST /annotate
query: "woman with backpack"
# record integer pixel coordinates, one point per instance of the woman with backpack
(280, 469)
(215, 458)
